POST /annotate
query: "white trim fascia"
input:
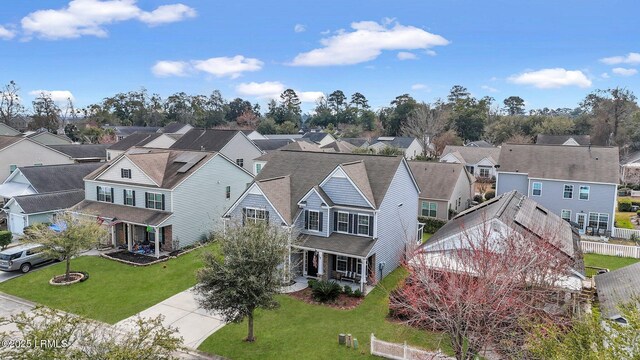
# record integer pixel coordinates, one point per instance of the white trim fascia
(415, 183)
(329, 252)
(512, 172)
(114, 163)
(113, 184)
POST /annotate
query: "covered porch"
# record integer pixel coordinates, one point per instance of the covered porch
(139, 230)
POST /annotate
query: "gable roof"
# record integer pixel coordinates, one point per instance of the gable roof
(133, 214)
(49, 178)
(83, 151)
(316, 137)
(35, 134)
(7, 140)
(163, 166)
(339, 146)
(578, 163)
(172, 127)
(8, 130)
(128, 130)
(561, 139)
(472, 154)
(283, 136)
(479, 143)
(271, 144)
(616, 288)
(205, 139)
(306, 170)
(134, 139)
(401, 142)
(357, 172)
(356, 141)
(51, 201)
(437, 180)
(518, 212)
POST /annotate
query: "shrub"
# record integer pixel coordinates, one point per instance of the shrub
(357, 293)
(312, 283)
(478, 198)
(347, 290)
(5, 239)
(325, 291)
(431, 225)
(489, 195)
(624, 205)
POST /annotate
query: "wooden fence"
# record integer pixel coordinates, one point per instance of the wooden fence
(610, 249)
(403, 351)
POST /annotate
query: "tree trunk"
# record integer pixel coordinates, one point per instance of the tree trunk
(66, 275)
(250, 337)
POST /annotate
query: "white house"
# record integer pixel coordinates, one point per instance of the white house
(480, 161)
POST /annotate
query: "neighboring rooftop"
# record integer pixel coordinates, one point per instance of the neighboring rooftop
(472, 154)
(172, 127)
(339, 146)
(134, 139)
(128, 130)
(205, 139)
(49, 178)
(50, 201)
(283, 136)
(271, 144)
(358, 142)
(316, 137)
(83, 151)
(578, 163)
(480, 143)
(401, 142)
(563, 139)
(6, 140)
(616, 288)
(437, 180)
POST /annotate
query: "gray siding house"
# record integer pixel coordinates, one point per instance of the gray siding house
(17, 151)
(355, 216)
(578, 183)
(166, 199)
(479, 160)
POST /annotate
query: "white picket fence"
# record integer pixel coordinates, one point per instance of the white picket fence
(625, 233)
(635, 193)
(610, 249)
(403, 351)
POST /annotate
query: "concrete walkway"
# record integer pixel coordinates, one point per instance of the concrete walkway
(181, 311)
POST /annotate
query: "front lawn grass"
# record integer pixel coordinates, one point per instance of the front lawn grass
(623, 220)
(114, 291)
(605, 261)
(298, 330)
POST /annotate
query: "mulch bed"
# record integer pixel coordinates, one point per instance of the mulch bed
(343, 302)
(61, 279)
(133, 257)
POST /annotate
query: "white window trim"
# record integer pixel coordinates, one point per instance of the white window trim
(338, 221)
(339, 259)
(255, 219)
(429, 208)
(146, 205)
(358, 225)
(227, 194)
(100, 187)
(588, 192)
(309, 221)
(563, 210)
(124, 201)
(533, 188)
(563, 191)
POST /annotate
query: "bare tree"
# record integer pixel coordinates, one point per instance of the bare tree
(10, 105)
(519, 139)
(424, 123)
(484, 288)
(446, 138)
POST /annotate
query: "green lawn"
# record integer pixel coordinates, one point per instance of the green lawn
(114, 291)
(604, 261)
(425, 237)
(623, 220)
(298, 330)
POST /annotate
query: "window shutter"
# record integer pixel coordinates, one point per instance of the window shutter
(244, 215)
(146, 199)
(335, 221)
(162, 201)
(121, 173)
(98, 193)
(355, 223)
(133, 194)
(124, 196)
(370, 225)
(266, 216)
(306, 219)
(112, 195)
(320, 216)
(350, 229)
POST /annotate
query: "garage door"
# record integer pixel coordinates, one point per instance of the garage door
(16, 224)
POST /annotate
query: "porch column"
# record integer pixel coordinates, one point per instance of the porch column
(113, 235)
(129, 236)
(363, 276)
(320, 263)
(157, 239)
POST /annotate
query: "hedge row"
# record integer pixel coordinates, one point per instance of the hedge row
(5, 239)
(431, 225)
(624, 205)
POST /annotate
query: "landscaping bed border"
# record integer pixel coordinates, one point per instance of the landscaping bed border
(106, 256)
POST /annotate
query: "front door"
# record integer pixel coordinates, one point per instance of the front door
(581, 219)
(312, 265)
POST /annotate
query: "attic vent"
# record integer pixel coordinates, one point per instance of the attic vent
(386, 138)
(189, 160)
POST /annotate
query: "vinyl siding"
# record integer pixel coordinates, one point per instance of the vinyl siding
(508, 182)
(413, 150)
(254, 201)
(29, 153)
(112, 154)
(137, 176)
(442, 211)
(40, 218)
(118, 194)
(341, 191)
(351, 212)
(20, 178)
(464, 191)
(239, 147)
(314, 203)
(397, 225)
(161, 142)
(200, 201)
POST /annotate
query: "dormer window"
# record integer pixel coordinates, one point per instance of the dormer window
(125, 173)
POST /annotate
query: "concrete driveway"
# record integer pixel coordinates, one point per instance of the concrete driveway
(182, 311)
(4, 275)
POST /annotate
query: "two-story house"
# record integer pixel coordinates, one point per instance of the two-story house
(16, 151)
(480, 161)
(355, 216)
(411, 147)
(165, 198)
(578, 183)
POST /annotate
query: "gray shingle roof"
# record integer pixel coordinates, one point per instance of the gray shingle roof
(6, 140)
(83, 151)
(128, 130)
(307, 169)
(578, 163)
(616, 288)
(204, 139)
(52, 201)
(51, 178)
(339, 146)
(561, 139)
(135, 139)
(271, 144)
(480, 143)
(401, 142)
(341, 243)
(437, 180)
(315, 136)
(132, 214)
(283, 136)
(472, 154)
(172, 127)
(356, 141)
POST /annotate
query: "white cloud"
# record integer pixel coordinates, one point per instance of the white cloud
(326, 32)
(231, 67)
(165, 68)
(264, 90)
(431, 52)
(366, 43)
(89, 17)
(605, 75)
(418, 86)
(551, 78)
(6, 33)
(489, 88)
(630, 58)
(624, 71)
(299, 28)
(405, 55)
(309, 96)
(59, 96)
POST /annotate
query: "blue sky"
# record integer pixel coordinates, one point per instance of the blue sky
(551, 53)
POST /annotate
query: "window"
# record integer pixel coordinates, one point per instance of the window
(363, 224)
(240, 162)
(129, 197)
(580, 220)
(255, 215)
(227, 192)
(603, 221)
(341, 263)
(154, 201)
(568, 192)
(566, 215)
(484, 172)
(343, 222)
(536, 189)
(429, 209)
(125, 173)
(469, 169)
(584, 192)
(258, 168)
(593, 220)
(105, 194)
(34, 251)
(314, 220)
(12, 168)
